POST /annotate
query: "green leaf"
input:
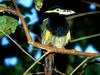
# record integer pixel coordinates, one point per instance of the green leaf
(8, 25)
(3, 5)
(38, 4)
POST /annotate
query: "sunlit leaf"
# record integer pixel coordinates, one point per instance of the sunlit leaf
(38, 4)
(3, 5)
(8, 25)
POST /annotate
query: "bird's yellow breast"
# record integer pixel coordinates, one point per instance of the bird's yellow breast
(47, 35)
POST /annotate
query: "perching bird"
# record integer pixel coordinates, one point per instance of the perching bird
(56, 33)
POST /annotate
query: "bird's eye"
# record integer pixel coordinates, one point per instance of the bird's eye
(57, 9)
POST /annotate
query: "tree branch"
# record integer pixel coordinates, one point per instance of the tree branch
(8, 10)
(82, 14)
(85, 37)
(35, 63)
(18, 46)
(89, 2)
(23, 22)
(84, 61)
(62, 50)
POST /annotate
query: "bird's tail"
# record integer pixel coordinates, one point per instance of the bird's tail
(49, 64)
(49, 60)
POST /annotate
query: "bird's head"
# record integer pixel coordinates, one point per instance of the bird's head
(60, 11)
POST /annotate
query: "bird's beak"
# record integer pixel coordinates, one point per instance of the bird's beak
(52, 11)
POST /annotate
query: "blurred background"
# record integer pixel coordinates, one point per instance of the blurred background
(14, 62)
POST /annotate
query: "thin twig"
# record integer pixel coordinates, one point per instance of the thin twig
(80, 65)
(85, 37)
(82, 14)
(59, 72)
(89, 2)
(35, 63)
(38, 73)
(8, 10)
(87, 65)
(18, 45)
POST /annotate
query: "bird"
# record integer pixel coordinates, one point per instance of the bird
(55, 32)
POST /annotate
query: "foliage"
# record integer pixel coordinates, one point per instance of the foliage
(38, 4)
(8, 25)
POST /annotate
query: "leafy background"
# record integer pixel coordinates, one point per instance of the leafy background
(14, 62)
